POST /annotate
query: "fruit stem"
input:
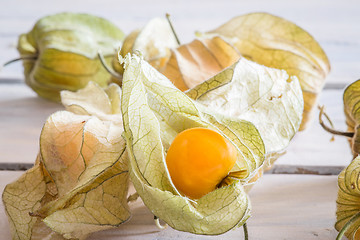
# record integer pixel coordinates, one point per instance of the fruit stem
(35, 214)
(347, 226)
(109, 70)
(133, 197)
(172, 29)
(246, 234)
(31, 57)
(157, 222)
(330, 129)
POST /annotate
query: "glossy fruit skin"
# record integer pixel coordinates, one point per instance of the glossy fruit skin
(198, 160)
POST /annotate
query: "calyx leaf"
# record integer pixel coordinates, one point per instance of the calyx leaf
(264, 96)
(80, 181)
(66, 47)
(191, 64)
(154, 112)
(154, 41)
(351, 98)
(348, 201)
(24, 196)
(275, 42)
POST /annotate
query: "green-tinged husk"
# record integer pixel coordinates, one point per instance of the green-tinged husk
(65, 46)
(348, 201)
(155, 111)
(351, 100)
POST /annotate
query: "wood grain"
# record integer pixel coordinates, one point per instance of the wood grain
(283, 207)
(332, 23)
(23, 115)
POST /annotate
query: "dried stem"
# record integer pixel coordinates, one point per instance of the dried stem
(35, 214)
(109, 70)
(32, 57)
(246, 234)
(157, 222)
(229, 179)
(172, 29)
(330, 129)
(133, 197)
(347, 226)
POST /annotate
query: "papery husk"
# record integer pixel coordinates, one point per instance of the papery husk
(79, 182)
(278, 43)
(65, 46)
(267, 97)
(351, 99)
(154, 112)
(193, 63)
(348, 200)
(153, 41)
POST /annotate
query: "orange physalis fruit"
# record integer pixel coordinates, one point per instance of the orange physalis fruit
(198, 160)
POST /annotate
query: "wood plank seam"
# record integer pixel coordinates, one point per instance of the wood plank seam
(276, 169)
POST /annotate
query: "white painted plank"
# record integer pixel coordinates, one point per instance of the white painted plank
(320, 18)
(332, 23)
(344, 60)
(284, 207)
(313, 146)
(22, 115)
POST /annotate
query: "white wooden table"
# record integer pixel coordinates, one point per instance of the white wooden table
(285, 206)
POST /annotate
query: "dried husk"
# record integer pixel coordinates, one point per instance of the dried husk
(278, 43)
(155, 111)
(153, 41)
(79, 182)
(193, 63)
